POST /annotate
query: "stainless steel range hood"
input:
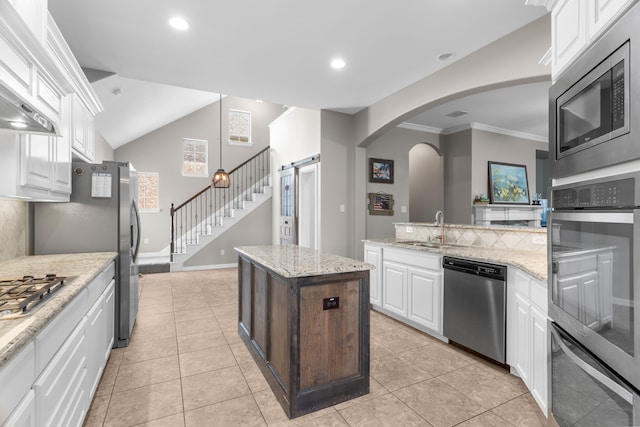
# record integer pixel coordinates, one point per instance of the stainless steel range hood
(20, 116)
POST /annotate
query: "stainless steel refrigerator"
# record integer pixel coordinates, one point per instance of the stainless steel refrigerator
(102, 216)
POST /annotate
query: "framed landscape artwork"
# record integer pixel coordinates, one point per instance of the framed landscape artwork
(508, 183)
(381, 170)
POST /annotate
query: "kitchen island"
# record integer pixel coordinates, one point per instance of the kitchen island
(304, 316)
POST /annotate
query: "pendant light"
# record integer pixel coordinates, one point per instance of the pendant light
(220, 179)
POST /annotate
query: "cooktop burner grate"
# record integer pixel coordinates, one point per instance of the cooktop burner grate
(18, 296)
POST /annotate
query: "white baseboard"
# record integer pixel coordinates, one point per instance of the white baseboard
(164, 252)
(209, 267)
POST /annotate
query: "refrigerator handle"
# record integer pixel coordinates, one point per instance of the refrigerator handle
(591, 371)
(136, 247)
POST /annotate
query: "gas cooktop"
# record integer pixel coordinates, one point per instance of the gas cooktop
(19, 296)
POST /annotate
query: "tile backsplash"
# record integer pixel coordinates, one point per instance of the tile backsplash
(13, 229)
(525, 239)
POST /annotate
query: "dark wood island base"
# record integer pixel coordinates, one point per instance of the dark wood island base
(309, 334)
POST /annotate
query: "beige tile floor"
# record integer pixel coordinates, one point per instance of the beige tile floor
(186, 366)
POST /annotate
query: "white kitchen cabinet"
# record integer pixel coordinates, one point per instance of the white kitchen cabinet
(16, 378)
(62, 386)
(34, 14)
(576, 23)
(83, 130)
(25, 414)
(583, 281)
(373, 255)
(36, 161)
(412, 288)
(394, 279)
(527, 332)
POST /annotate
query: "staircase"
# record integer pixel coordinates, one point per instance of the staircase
(211, 212)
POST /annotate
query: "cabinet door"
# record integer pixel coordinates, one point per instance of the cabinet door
(605, 280)
(538, 378)
(568, 295)
(395, 288)
(523, 334)
(110, 311)
(78, 121)
(90, 137)
(25, 414)
(600, 13)
(589, 313)
(96, 329)
(568, 31)
(61, 182)
(35, 161)
(61, 388)
(372, 255)
(424, 299)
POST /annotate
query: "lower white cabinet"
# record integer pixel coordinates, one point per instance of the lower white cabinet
(527, 332)
(25, 413)
(412, 288)
(52, 380)
(373, 255)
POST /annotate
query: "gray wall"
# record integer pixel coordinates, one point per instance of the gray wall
(103, 149)
(161, 151)
(489, 146)
(394, 145)
(457, 177)
(337, 183)
(426, 183)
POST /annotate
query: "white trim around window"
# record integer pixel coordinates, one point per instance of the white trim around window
(240, 128)
(149, 192)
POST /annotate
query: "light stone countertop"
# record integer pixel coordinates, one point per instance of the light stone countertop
(296, 261)
(81, 269)
(533, 263)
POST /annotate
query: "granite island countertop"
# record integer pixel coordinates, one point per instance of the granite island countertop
(533, 263)
(296, 261)
(80, 269)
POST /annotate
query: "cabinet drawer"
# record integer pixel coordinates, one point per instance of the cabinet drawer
(62, 382)
(413, 258)
(25, 413)
(48, 340)
(99, 284)
(16, 378)
(577, 264)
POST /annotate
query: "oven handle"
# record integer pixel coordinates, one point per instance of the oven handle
(608, 217)
(591, 371)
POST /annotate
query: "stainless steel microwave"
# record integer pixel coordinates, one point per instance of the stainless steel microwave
(594, 106)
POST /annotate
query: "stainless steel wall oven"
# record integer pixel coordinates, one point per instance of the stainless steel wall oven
(594, 234)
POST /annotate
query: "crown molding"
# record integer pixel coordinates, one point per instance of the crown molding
(420, 128)
(548, 4)
(494, 129)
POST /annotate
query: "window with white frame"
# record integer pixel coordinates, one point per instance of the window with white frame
(149, 191)
(195, 157)
(240, 127)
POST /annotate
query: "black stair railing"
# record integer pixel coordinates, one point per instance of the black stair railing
(207, 208)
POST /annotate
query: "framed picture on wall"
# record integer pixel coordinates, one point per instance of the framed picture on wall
(508, 183)
(381, 170)
(380, 204)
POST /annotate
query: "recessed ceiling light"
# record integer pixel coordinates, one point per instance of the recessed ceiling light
(338, 63)
(259, 101)
(179, 23)
(18, 125)
(446, 56)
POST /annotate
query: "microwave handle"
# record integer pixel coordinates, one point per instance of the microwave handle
(590, 370)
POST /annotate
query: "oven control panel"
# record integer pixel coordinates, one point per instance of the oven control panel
(609, 194)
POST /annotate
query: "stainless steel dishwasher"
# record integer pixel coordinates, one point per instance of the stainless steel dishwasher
(475, 306)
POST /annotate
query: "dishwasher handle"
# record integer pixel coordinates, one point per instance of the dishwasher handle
(477, 268)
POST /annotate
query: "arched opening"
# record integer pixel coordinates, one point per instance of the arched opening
(426, 183)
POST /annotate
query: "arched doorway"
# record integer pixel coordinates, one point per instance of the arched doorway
(426, 183)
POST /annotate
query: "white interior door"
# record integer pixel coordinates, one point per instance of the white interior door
(308, 206)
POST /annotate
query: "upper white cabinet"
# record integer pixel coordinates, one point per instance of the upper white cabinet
(576, 23)
(83, 130)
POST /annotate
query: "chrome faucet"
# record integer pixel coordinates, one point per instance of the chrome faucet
(439, 221)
